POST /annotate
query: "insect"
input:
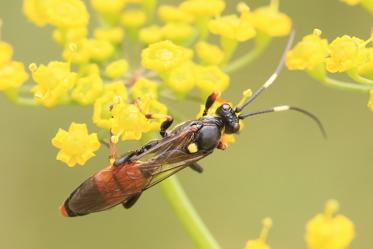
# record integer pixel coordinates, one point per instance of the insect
(129, 176)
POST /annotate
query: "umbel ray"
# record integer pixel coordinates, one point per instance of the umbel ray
(129, 176)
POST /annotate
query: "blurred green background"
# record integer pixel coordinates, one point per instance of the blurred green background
(280, 165)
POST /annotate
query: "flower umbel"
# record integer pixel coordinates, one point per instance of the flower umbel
(76, 145)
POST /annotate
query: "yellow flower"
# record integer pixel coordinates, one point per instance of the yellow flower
(366, 69)
(6, 53)
(270, 21)
(114, 35)
(66, 13)
(116, 69)
(87, 89)
(177, 32)
(346, 53)
(181, 79)
(108, 6)
(203, 7)
(163, 56)
(144, 88)
(53, 81)
(100, 50)
(151, 34)
(169, 13)
(76, 145)
(351, 2)
(210, 79)
(232, 27)
(329, 231)
(12, 75)
(133, 18)
(261, 242)
(208, 53)
(71, 35)
(127, 121)
(309, 53)
(77, 53)
(101, 109)
(33, 10)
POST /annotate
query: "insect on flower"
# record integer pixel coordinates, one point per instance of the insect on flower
(129, 176)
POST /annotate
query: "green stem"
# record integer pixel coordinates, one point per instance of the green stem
(319, 73)
(353, 74)
(184, 210)
(347, 86)
(262, 43)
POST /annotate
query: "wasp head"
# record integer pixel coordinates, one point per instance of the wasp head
(229, 117)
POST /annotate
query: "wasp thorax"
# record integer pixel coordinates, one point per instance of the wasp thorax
(230, 119)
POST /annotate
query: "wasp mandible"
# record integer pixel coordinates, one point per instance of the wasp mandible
(129, 176)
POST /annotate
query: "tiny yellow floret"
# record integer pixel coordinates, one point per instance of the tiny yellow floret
(108, 6)
(329, 231)
(163, 56)
(232, 27)
(6, 53)
(114, 35)
(76, 145)
(66, 13)
(88, 89)
(346, 53)
(101, 108)
(128, 122)
(181, 80)
(144, 88)
(261, 242)
(270, 21)
(151, 34)
(133, 18)
(177, 32)
(169, 13)
(116, 69)
(202, 8)
(209, 54)
(12, 75)
(52, 82)
(210, 79)
(309, 53)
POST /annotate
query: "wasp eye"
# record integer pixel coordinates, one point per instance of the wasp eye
(226, 107)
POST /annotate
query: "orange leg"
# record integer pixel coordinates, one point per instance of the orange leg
(164, 126)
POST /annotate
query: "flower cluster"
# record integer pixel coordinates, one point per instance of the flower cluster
(345, 54)
(125, 67)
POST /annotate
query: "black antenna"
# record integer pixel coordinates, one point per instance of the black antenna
(287, 108)
(273, 76)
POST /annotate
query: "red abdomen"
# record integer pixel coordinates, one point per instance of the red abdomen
(105, 189)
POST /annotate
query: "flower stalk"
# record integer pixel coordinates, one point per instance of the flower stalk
(187, 215)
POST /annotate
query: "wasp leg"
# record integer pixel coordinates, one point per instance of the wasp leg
(126, 158)
(196, 167)
(210, 101)
(164, 126)
(221, 145)
(131, 201)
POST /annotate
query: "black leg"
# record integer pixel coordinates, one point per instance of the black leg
(196, 167)
(210, 101)
(131, 201)
(165, 125)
